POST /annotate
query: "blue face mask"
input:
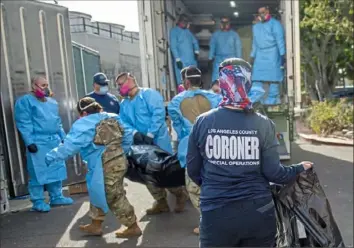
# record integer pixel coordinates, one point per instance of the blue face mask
(103, 90)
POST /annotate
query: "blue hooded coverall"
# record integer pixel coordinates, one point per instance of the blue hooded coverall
(145, 113)
(268, 47)
(184, 46)
(39, 123)
(224, 45)
(80, 139)
(182, 125)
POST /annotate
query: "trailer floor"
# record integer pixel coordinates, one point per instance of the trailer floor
(59, 228)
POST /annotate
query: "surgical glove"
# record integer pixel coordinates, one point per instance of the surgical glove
(210, 63)
(179, 64)
(148, 140)
(251, 60)
(139, 138)
(282, 62)
(32, 148)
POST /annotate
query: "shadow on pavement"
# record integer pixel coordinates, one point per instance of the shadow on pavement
(32, 229)
(171, 229)
(60, 227)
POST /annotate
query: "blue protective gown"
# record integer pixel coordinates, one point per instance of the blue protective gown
(145, 113)
(183, 45)
(39, 123)
(80, 139)
(256, 93)
(183, 126)
(224, 45)
(267, 48)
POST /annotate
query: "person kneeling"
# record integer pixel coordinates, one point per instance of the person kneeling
(102, 140)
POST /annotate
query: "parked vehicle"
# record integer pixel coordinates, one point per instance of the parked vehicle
(156, 18)
(35, 40)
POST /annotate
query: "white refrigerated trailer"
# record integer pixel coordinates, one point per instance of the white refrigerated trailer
(156, 18)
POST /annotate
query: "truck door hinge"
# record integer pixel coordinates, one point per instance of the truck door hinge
(145, 18)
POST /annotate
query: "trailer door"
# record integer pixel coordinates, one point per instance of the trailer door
(35, 40)
(154, 47)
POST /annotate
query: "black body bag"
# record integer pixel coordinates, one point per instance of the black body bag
(304, 200)
(148, 164)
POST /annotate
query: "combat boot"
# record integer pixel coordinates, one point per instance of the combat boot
(132, 231)
(95, 228)
(159, 207)
(181, 201)
(196, 231)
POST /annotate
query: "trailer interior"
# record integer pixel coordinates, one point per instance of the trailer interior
(205, 16)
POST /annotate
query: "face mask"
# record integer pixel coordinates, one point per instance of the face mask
(124, 90)
(182, 25)
(225, 26)
(47, 92)
(264, 17)
(39, 93)
(103, 90)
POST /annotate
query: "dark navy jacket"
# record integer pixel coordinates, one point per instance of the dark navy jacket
(109, 102)
(233, 156)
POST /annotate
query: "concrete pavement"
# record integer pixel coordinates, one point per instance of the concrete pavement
(59, 228)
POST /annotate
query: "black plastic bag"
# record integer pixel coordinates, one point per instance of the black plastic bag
(305, 200)
(148, 164)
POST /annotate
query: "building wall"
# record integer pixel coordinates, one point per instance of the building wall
(118, 48)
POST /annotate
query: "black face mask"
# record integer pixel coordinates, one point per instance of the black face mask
(46, 92)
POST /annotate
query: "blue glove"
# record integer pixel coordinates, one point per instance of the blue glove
(48, 160)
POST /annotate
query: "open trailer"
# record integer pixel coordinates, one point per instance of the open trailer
(156, 18)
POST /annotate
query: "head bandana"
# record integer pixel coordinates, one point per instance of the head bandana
(235, 83)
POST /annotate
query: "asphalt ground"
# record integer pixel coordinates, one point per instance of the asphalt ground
(59, 228)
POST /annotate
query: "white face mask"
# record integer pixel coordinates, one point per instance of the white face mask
(103, 90)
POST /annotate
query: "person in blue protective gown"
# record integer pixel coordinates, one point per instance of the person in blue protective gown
(144, 112)
(183, 110)
(37, 118)
(224, 43)
(102, 140)
(184, 47)
(268, 56)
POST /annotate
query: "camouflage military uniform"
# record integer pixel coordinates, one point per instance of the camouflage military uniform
(109, 133)
(160, 193)
(193, 191)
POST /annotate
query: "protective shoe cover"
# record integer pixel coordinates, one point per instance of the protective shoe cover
(268, 47)
(132, 231)
(183, 111)
(40, 206)
(37, 196)
(56, 195)
(145, 113)
(305, 199)
(158, 207)
(183, 46)
(224, 45)
(151, 165)
(95, 228)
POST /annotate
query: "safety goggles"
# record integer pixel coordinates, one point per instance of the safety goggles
(184, 73)
(86, 107)
(127, 75)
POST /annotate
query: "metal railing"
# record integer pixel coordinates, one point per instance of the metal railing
(96, 29)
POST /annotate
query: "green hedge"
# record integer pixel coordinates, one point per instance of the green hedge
(330, 116)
